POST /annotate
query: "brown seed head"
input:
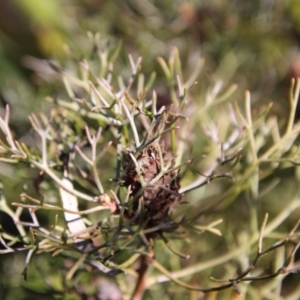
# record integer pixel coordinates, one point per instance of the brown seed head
(151, 182)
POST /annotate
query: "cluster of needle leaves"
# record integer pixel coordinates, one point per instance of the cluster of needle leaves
(106, 115)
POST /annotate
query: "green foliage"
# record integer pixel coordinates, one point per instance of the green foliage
(104, 121)
(91, 194)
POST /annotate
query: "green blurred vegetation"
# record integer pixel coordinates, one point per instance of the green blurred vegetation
(253, 44)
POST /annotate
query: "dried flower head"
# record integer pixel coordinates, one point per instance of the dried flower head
(153, 181)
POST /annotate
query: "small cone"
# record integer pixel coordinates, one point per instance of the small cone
(158, 195)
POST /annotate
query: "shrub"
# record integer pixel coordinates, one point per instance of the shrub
(120, 173)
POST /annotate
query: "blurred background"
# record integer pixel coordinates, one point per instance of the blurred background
(254, 44)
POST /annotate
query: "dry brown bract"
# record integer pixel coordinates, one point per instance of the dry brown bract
(153, 181)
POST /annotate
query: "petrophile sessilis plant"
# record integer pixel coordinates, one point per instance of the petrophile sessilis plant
(142, 179)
